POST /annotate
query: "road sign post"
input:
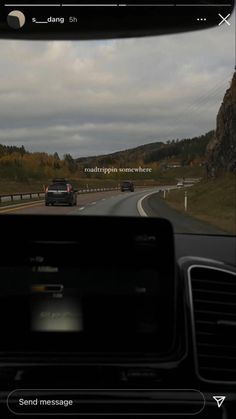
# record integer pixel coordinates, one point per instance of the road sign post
(185, 201)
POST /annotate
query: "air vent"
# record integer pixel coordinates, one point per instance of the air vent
(213, 295)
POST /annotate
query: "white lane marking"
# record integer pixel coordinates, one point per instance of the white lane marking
(93, 203)
(139, 204)
(103, 199)
(81, 208)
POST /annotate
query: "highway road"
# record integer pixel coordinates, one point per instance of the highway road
(95, 203)
(142, 202)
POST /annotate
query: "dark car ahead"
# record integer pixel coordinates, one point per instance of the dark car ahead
(60, 191)
(127, 186)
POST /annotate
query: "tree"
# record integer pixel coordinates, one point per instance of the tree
(70, 163)
(56, 156)
(56, 161)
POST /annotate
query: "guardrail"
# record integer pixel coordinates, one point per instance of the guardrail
(38, 195)
(21, 196)
(97, 190)
(189, 180)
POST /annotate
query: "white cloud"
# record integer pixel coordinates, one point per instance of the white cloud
(92, 97)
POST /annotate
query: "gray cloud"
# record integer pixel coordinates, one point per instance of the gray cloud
(95, 97)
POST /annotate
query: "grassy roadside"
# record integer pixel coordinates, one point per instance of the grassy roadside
(213, 201)
(11, 187)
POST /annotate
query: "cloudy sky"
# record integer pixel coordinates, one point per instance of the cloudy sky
(96, 97)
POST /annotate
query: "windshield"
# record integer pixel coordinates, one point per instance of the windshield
(155, 115)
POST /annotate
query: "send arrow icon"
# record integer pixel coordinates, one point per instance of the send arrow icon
(219, 400)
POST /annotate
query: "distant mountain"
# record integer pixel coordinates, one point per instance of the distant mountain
(186, 151)
(121, 158)
(222, 149)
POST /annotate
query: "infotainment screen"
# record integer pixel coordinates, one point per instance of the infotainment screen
(95, 299)
(122, 312)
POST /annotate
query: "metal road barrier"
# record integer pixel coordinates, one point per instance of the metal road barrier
(80, 191)
(36, 195)
(21, 196)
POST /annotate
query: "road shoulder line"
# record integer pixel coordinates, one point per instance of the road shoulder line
(140, 209)
(10, 208)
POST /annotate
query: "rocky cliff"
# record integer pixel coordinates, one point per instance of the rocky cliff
(222, 149)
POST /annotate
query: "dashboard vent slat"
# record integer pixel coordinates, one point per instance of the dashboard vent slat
(213, 296)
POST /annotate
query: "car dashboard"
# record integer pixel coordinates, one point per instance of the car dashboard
(119, 314)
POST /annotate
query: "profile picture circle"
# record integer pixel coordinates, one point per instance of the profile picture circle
(16, 19)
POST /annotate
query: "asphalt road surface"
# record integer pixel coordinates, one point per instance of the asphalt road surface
(155, 206)
(95, 203)
(142, 202)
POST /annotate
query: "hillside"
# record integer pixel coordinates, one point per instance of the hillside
(211, 200)
(123, 157)
(185, 158)
(188, 151)
(222, 148)
(214, 199)
(19, 165)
